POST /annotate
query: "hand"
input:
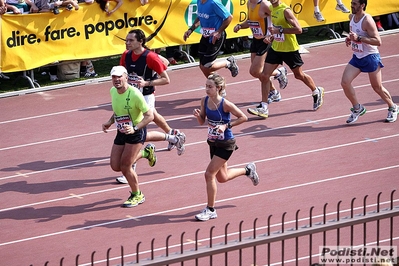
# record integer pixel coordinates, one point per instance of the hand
(347, 41)
(196, 112)
(237, 28)
(352, 36)
(128, 129)
(187, 34)
(268, 39)
(215, 36)
(106, 127)
(221, 128)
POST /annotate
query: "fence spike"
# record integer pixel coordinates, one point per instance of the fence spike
(181, 242)
(378, 201)
(210, 244)
(77, 260)
(254, 230)
(196, 245)
(108, 252)
(210, 235)
(352, 206)
(325, 213)
(167, 245)
(296, 238)
(225, 233)
(123, 255)
(393, 192)
(152, 248)
(268, 234)
(310, 235)
(137, 252)
(365, 205)
(92, 257)
(240, 231)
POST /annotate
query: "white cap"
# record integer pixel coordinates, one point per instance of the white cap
(118, 71)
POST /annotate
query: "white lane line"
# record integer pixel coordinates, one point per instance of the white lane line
(201, 172)
(199, 204)
(190, 116)
(185, 91)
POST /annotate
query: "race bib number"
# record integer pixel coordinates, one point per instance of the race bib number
(257, 31)
(213, 133)
(121, 121)
(133, 80)
(279, 37)
(357, 46)
(206, 32)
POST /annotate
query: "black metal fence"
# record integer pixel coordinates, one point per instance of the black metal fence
(292, 243)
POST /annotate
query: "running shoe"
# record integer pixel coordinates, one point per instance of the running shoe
(181, 139)
(206, 214)
(89, 74)
(355, 114)
(318, 98)
(171, 145)
(253, 175)
(392, 114)
(342, 8)
(134, 200)
(233, 66)
(318, 16)
(122, 179)
(274, 96)
(282, 78)
(151, 156)
(259, 111)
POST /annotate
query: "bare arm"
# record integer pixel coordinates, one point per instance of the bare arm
(234, 110)
(118, 5)
(291, 19)
(148, 117)
(191, 29)
(162, 80)
(3, 7)
(108, 124)
(200, 113)
(368, 26)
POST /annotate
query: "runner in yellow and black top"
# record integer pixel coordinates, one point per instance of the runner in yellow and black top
(131, 116)
(285, 48)
(258, 21)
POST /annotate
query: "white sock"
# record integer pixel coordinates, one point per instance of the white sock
(316, 9)
(339, 2)
(171, 138)
(264, 105)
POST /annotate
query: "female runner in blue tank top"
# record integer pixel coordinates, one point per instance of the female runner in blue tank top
(217, 110)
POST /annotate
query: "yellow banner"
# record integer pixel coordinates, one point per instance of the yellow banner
(29, 41)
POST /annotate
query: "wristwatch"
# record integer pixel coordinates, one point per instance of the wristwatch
(135, 128)
(281, 30)
(229, 126)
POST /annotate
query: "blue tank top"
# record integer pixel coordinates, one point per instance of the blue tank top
(217, 117)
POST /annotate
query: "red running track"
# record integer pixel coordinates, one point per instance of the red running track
(59, 197)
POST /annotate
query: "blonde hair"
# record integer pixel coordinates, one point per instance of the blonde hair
(219, 81)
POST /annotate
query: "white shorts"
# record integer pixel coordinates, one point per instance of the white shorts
(150, 100)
